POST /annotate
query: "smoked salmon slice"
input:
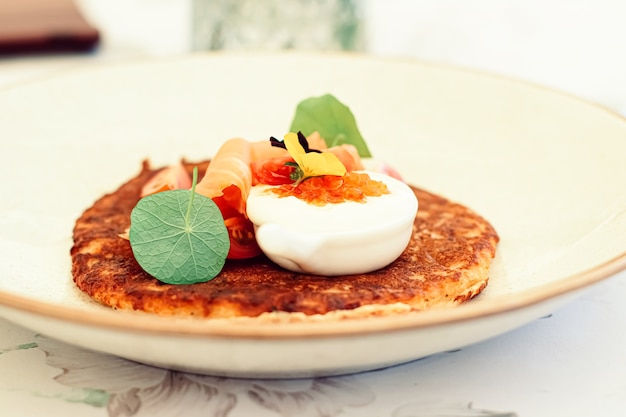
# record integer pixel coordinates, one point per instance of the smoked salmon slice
(229, 167)
(349, 156)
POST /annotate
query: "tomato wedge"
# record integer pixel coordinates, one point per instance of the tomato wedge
(240, 229)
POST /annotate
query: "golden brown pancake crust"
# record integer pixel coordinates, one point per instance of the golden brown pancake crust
(446, 263)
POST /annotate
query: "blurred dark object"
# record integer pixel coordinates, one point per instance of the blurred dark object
(44, 26)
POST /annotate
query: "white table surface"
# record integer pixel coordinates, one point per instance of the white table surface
(571, 363)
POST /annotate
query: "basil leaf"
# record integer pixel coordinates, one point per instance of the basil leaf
(179, 237)
(332, 119)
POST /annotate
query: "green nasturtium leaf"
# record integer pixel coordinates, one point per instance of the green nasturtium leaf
(179, 236)
(332, 119)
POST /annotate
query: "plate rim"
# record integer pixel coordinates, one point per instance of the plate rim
(248, 328)
(175, 326)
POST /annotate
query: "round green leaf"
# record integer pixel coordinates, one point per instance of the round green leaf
(332, 119)
(179, 237)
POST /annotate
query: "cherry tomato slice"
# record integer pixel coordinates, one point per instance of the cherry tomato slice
(272, 171)
(240, 229)
(242, 241)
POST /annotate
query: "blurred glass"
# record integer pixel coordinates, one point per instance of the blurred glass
(276, 24)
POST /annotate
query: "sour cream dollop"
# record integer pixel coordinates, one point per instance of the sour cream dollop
(334, 239)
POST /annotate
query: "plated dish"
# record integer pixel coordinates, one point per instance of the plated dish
(543, 167)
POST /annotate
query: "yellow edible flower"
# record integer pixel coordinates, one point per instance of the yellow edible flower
(313, 164)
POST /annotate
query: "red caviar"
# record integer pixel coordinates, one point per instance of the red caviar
(353, 186)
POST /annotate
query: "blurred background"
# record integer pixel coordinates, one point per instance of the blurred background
(571, 45)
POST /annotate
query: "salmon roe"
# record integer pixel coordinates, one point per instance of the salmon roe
(319, 191)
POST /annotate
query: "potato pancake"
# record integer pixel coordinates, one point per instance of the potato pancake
(446, 263)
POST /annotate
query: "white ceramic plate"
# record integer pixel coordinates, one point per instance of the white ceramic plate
(546, 169)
